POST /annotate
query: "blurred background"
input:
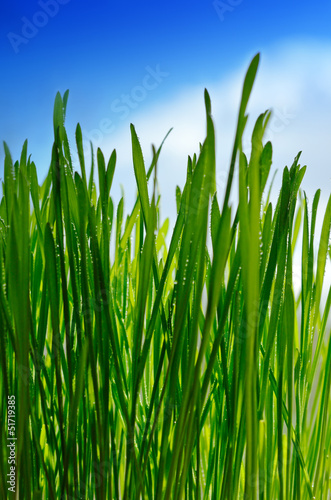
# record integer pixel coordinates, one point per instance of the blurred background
(148, 63)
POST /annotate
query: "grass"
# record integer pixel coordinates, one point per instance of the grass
(173, 368)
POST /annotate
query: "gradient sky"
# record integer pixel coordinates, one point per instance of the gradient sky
(107, 53)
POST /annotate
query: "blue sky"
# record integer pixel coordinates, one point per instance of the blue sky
(148, 63)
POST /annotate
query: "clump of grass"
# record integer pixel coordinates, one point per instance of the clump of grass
(127, 386)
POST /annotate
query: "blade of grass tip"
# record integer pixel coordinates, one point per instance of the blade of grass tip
(102, 176)
(140, 174)
(80, 150)
(211, 146)
(156, 156)
(265, 162)
(215, 219)
(134, 213)
(110, 171)
(311, 250)
(104, 197)
(321, 259)
(24, 164)
(9, 182)
(247, 88)
(309, 272)
(91, 179)
(65, 102)
(58, 116)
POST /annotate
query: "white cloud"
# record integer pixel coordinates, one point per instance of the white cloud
(294, 80)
